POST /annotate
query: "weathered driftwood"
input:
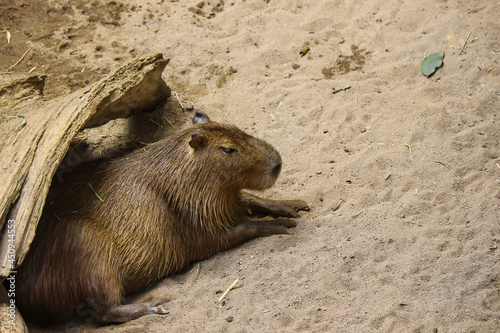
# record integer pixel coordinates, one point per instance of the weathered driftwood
(31, 153)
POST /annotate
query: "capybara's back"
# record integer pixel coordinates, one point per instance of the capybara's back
(114, 227)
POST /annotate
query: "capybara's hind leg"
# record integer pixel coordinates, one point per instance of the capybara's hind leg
(126, 312)
(105, 298)
(286, 208)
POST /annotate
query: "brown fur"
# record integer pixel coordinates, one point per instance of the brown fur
(165, 206)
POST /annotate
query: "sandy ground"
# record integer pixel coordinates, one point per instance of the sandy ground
(413, 161)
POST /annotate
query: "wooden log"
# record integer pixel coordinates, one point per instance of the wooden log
(30, 154)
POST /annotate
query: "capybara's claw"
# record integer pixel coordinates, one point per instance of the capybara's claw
(157, 310)
(300, 205)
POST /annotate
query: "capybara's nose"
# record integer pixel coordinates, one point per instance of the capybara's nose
(277, 169)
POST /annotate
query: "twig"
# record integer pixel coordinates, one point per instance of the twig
(97, 195)
(81, 140)
(20, 59)
(361, 212)
(227, 114)
(229, 289)
(442, 163)
(157, 116)
(147, 145)
(197, 268)
(341, 89)
(56, 216)
(154, 122)
(22, 124)
(196, 271)
(465, 43)
(168, 121)
(409, 147)
(179, 100)
(338, 205)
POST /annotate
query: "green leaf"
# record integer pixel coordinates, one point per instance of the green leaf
(432, 62)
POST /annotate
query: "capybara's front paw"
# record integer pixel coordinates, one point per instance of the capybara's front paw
(299, 205)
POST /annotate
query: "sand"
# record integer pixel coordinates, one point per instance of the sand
(413, 161)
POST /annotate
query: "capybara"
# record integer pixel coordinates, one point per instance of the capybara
(116, 226)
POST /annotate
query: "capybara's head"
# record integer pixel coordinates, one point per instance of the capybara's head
(225, 154)
(236, 157)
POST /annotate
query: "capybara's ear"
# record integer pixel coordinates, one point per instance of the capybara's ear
(200, 117)
(198, 141)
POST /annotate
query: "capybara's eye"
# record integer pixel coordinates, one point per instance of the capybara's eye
(228, 150)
